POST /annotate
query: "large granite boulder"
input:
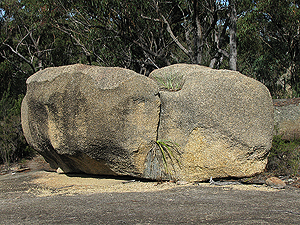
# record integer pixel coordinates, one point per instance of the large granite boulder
(222, 119)
(185, 122)
(91, 119)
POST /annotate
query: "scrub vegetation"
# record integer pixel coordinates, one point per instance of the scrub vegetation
(258, 38)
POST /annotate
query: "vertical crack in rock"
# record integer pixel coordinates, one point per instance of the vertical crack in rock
(159, 116)
(154, 168)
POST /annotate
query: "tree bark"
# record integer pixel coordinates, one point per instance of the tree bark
(198, 39)
(232, 38)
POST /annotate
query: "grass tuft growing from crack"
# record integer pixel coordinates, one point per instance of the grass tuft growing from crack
(173, 82)
(169, 150)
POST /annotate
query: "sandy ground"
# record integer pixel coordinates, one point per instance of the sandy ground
(43, 181)
(50, 183)
(53, 183)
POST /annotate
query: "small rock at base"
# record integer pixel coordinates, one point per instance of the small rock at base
(275, 182)
(182, 182)
(59, 171)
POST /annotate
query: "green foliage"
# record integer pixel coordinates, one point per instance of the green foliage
(35, 34)
(135, 34)
(172, 82)
(169, 153)
(268, 47)
(12, 142)
(284, 158)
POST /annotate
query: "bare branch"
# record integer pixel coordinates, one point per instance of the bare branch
(20, 42)
(224, 53)
(17, 67)
(187, 29)
(169, 29)
(152, 62)
(21, 56)
(149, 18)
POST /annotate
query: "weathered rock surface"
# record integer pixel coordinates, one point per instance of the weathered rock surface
(91, 119)
(222, 119)
(107, 121)
(287, 118)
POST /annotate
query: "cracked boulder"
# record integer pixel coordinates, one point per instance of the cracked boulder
(89, 119)
(222, 120)
(184, 122)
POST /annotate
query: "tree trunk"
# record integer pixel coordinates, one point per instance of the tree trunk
(232, 33)
(198, 41)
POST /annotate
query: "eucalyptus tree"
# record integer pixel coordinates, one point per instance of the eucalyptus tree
(29, 42)
(116, 33)
(144, 35)
(22, 34)
(269, 35)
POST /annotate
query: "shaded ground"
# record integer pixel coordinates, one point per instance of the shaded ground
(39, 197)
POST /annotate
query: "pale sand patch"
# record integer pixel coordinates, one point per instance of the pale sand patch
(242, 187)
(50, 183)
(58, 184)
